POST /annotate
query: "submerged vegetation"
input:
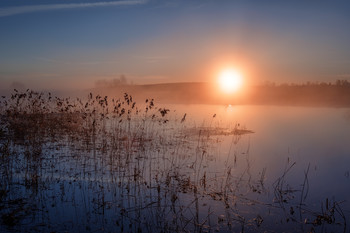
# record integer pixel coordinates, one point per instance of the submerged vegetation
(102, 164)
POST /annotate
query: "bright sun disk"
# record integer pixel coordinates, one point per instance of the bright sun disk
(230, 81)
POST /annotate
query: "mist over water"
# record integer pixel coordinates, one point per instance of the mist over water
(126, 164)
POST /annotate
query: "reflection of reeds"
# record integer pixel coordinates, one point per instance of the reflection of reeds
(104, 164)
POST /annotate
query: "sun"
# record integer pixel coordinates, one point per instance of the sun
(230, 80)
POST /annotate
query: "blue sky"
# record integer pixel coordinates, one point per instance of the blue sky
(74, 43)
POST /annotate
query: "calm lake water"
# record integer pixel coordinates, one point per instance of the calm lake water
(317, 140)
(217, 169)
(319, 137)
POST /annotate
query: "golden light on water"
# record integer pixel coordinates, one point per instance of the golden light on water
(230, 80)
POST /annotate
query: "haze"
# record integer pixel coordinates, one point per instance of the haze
(73, 44)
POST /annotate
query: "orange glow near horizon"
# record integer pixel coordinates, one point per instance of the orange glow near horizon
(230, 81)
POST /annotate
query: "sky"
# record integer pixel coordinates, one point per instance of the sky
(67, 44)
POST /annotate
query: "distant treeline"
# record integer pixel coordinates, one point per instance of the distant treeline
(338, 83)
(335, 94)
(308, 94)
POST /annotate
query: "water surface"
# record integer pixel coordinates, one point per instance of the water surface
(197, 168)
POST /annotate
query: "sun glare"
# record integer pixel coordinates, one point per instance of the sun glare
(230, 81)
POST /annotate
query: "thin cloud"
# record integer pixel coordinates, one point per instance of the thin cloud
(343, 75)
(44, 59)
(152, 58)
(8, 11)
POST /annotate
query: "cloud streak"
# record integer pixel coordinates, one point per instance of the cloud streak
(8, 11)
